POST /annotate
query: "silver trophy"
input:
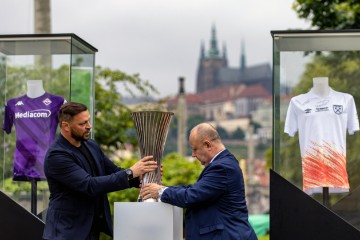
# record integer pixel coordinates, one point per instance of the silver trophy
(152, 128)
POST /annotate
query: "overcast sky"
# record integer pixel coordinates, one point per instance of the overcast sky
(161, 39)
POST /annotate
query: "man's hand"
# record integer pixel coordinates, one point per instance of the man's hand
(161, 174)
(151, 190)
(144, 165)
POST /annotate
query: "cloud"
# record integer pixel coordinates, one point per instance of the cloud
(160, 39)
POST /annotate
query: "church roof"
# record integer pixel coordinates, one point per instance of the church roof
(229, 75)
(255, 91)
(256, 72)
(221, 94)
(252, 73)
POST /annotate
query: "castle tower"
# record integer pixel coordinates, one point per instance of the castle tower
(209, 65)
(242, 57)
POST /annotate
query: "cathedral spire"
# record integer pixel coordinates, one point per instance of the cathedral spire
(225, 54)
(202, 50)
(213, 51)
(242, 57)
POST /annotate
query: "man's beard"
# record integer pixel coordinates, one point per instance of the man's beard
(78, 137)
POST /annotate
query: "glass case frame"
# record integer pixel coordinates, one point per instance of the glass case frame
(298, 57)
(65, 65)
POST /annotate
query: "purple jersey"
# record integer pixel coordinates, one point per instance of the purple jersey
(35, 121)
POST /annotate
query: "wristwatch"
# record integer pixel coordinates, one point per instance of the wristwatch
(129, 173)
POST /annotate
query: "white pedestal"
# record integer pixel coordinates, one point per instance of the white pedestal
(147, 221)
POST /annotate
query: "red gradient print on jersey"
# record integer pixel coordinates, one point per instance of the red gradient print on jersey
(324, 166)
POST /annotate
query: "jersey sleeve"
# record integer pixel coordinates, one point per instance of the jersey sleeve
(291, 122)
(353, 119)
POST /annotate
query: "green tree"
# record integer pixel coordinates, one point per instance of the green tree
(171, 142)
(256, 126)
(194, 120)
(329, 14)
(238, 134)
(178, 170)
(222, 132)
(113, 123)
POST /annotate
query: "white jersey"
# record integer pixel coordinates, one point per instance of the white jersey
(322, 124)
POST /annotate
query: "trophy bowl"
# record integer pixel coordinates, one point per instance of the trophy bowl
(152, 128)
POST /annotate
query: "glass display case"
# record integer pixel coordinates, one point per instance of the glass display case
(316, 98)
(38, 73)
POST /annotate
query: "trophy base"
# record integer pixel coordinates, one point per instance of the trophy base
(135, 221)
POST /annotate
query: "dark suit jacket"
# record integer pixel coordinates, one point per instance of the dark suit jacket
(73, 191)
(216, 205)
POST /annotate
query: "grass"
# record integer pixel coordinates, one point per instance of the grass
(267, 237)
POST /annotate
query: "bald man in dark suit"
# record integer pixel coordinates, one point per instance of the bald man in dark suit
(216, 205)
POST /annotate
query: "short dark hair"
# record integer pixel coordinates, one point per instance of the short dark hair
(69, 110)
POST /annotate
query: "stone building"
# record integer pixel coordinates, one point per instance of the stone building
(213, 69)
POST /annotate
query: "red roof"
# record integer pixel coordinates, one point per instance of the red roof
(254, 91)
(223, 94)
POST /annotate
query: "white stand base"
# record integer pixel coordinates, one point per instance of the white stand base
(148, 221)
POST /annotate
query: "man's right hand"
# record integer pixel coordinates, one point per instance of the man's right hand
(151, 190)
(144, 165)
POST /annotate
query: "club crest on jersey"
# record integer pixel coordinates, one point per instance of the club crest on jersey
(338, 109)
(47, 101)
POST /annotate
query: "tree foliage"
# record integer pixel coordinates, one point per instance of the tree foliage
(329, 14)
(222, 132)
(238, 134)
(177, 170)
(171, 142)
(113, 123)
